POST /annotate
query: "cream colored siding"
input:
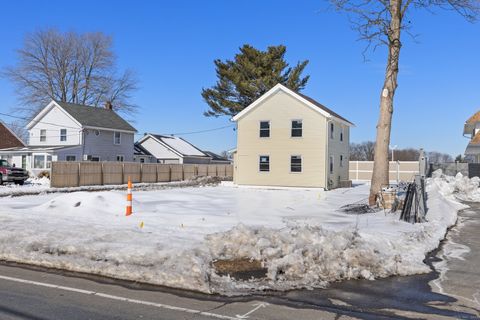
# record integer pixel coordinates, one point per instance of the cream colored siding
(280, 109)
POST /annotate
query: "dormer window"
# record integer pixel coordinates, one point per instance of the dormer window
(43, 135)
(264, 129)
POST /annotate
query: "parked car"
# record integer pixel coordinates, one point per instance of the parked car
(10, 173)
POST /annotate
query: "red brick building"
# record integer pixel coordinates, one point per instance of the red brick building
(8, 139)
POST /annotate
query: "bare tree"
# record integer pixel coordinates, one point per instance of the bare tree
(382, 22)
(364, 151)
(70, 67)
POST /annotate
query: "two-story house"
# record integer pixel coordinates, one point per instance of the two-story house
(471, 129)
(288, 139)
(70, 132)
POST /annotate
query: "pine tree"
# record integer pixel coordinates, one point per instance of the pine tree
(252, 73)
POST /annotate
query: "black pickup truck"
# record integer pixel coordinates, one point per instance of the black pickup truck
(10, 173)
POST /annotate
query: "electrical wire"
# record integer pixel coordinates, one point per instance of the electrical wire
(200, 131)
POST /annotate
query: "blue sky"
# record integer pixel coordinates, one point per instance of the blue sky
(172, 44)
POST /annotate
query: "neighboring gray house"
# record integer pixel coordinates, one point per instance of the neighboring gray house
(70, 132)
(171, 149)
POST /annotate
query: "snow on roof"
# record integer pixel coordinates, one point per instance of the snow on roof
(180, 145)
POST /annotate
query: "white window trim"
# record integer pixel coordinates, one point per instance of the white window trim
(264, 155)
(291, 128)
(43, 135)
(114, 138)
(301, 163)
(61, 135)
(269, 129)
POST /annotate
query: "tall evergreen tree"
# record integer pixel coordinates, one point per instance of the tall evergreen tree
(252, 73)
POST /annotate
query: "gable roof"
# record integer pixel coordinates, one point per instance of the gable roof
(303, 98)
(139, 150)
(470, 123)
(176, 144)
(214, 156)
(8, 138)
(96, 117)
(86, 116)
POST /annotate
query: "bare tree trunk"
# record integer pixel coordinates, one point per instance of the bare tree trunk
(380, 175)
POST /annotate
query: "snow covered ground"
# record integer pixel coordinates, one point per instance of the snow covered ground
(299, 235)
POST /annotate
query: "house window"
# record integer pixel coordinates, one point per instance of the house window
(331, 130)
(39, 161)
(296, 128)
(63, 134)
(296, 164)
(70, 158)
(341, 134)
(95, 158)
(43, 135)
(142, 160)
(331, 164)
(341, 160)
(117, 137)
(120, 158)
(264, 164)
(264, 129)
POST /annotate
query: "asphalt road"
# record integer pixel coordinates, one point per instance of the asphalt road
(39, 294)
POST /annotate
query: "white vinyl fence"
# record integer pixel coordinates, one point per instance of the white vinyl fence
(399, 170)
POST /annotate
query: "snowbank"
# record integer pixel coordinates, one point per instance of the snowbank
(300, 235)
(461, 187)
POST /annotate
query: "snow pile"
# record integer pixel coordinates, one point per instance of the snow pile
(43, 181)
(300, 236)
(462, 187)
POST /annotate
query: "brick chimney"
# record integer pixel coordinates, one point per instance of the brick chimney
(108, 105)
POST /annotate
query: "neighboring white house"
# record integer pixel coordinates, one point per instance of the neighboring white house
(70, 132)
(170, 149)
(288, 139)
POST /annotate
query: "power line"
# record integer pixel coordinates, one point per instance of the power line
(27, 119)
(200, 131)
(137, 134)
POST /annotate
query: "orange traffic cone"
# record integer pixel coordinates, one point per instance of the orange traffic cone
(129, 198)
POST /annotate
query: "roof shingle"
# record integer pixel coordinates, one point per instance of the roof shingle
(96, 117)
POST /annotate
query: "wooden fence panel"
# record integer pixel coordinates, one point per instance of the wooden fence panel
(73, 174)
(202, 170)
(212, 170)
(163, 173)
(189, 171)
(176, 172)
(229, 170)
(132, 170)
(64, 174)
(221, 170)
(91, 174)
(112, 173)
(149, 172)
